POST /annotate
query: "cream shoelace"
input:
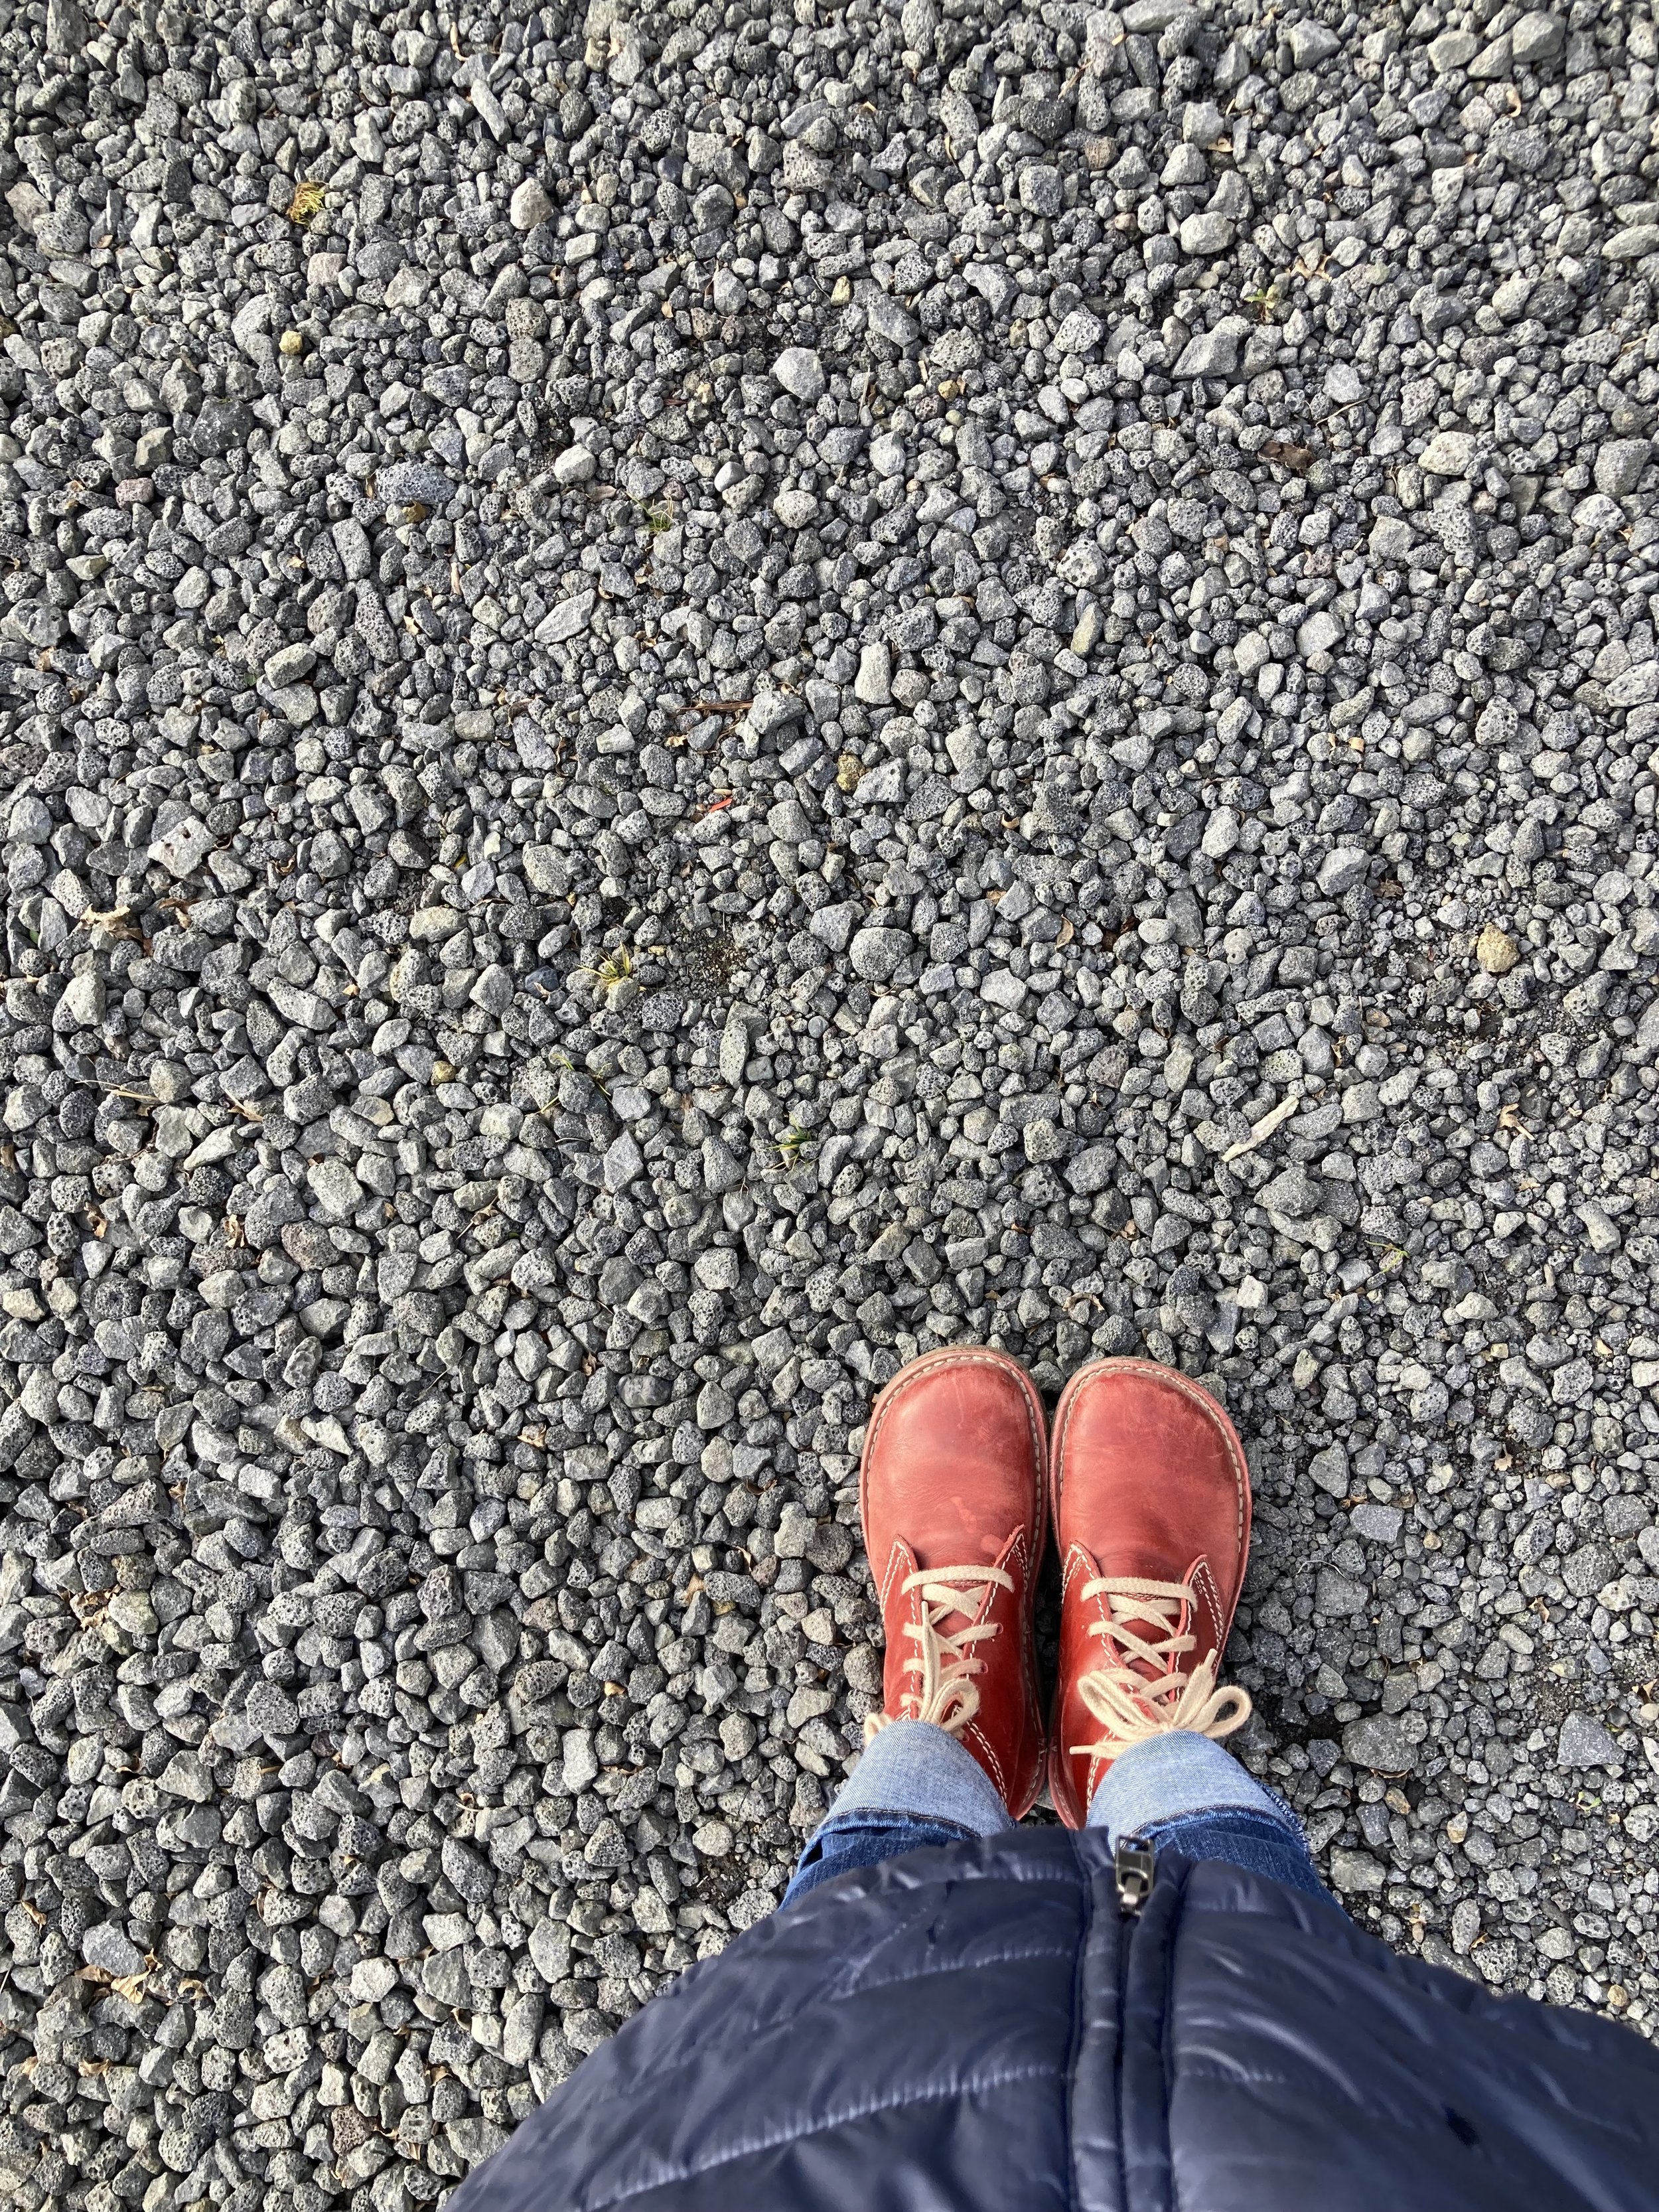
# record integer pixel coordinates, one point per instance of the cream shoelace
(947, 1693)
(1129, 1707)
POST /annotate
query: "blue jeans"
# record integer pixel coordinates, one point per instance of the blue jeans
(915, 1785)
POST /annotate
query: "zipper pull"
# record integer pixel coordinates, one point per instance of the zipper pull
(1132, 1868)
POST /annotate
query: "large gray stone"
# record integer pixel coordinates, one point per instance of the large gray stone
(1584, 1742)
(1342, 868)
(800, 372)
(876, 953)
(530, 207)
(1620, 464)
(1213, 352)
(414, 484)
(1537, 38)
(1378, 1741)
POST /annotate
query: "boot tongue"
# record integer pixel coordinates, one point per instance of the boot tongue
(946, 1546)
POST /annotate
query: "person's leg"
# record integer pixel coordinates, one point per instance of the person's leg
(915, 1785)
(1181, 1792)
(1150, 1499)
(1150, 1495)
(951, 1496)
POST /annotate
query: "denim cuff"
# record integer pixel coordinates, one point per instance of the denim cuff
(913, 1771)
(1166, 1777)
(1241, 1836)
(848, 1841)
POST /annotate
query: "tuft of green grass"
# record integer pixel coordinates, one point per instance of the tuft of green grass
(795, 1144)
(613, 970)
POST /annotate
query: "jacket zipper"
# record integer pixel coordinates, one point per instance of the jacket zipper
(1132, 1875)
(1133, 1863)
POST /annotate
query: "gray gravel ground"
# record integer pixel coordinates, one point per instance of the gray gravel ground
(696, 699)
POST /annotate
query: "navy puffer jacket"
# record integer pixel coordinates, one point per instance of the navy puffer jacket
(984, 2029)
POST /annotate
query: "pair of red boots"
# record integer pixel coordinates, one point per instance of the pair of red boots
(1146, 1483)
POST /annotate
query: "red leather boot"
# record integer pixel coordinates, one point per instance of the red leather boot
(951, 1493)
(1150, 1498)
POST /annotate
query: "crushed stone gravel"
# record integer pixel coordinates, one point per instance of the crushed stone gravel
(696, 696)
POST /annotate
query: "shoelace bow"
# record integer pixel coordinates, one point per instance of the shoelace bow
(947, 1694)
(1130, 1706)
